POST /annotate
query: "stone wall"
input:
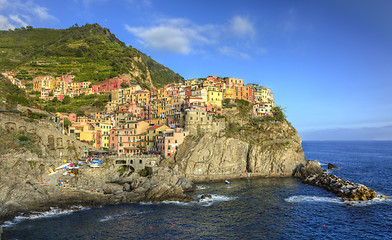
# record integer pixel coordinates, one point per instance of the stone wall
(137, 162)
(200, 122)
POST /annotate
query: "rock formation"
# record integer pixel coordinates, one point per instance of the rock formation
(331, 166)
(342, 188)
(244, 146)
(310, 168)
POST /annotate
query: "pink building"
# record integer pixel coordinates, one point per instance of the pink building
(129, 138)
(110, 84)
(72, 117)
(134, 110)
(169, 142)
(98, 139)
(214, 110)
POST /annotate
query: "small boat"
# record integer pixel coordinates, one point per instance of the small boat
(95, 163)
(227, 182)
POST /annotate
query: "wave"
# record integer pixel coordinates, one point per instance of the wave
(53, 212)
(202, 187)
(111, 217)
(215, 198)
(305, 198)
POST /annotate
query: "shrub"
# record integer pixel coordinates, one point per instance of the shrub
(121, 170)
(143, 172)
(23, 138)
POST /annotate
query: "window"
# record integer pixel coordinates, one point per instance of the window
(140, 161)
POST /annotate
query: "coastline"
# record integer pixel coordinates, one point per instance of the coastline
(72, 198)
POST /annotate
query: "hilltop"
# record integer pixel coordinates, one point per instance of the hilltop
(90, 53)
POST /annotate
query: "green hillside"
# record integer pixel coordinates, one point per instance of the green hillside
(89, 52)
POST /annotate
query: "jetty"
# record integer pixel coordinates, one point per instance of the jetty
(342, 188)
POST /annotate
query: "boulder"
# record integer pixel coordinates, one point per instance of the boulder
(204, 196)
(310, 168)
(331, 166)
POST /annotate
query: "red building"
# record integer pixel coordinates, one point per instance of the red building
(110, 84)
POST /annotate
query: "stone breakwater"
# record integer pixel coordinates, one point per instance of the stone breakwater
(345, 189)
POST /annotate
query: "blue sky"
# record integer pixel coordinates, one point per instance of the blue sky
(329, 63)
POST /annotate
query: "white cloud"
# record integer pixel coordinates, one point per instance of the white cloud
(228, 51)
(22, 13)
(179, 35)
(242, 27)
(172, 35)
(166, 38)
(42, 13)
(17, 20)
(5, 24)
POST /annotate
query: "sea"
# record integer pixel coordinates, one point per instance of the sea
(265, 208)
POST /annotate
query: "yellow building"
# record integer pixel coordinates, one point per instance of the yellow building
(37, 83)
(152, 133)
(105, 134)
(82, 132)
(266, 95)
(228, 93)
(214, 96)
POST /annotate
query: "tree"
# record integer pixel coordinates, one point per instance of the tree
(278, 114)
(124, 85)
(67, 123)
(67, 100)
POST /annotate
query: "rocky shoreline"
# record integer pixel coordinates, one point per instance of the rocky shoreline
(92, 189)
(342, 188)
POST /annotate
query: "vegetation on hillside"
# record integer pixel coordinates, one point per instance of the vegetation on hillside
(11, 95)
(18, 141)
(80, 105)
(89, 52)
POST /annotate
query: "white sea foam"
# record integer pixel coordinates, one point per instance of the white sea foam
(214, 198)
(114, 216)
(304, 199)
(203, 202)
(53, 212)
(323, 164)
(107, 218)
(202, 187)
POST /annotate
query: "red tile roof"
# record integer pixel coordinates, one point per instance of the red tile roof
(154, 127)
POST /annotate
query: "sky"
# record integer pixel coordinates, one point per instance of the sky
(328, 63)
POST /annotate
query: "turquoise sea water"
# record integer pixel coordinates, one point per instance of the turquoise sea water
(270, 208)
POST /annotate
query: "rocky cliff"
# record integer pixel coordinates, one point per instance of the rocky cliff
(245, 146)
(29, 149)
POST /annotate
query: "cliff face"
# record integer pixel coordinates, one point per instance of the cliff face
(263, 149)
(29, 149)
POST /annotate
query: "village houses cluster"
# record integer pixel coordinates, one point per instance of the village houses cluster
(138, 121)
